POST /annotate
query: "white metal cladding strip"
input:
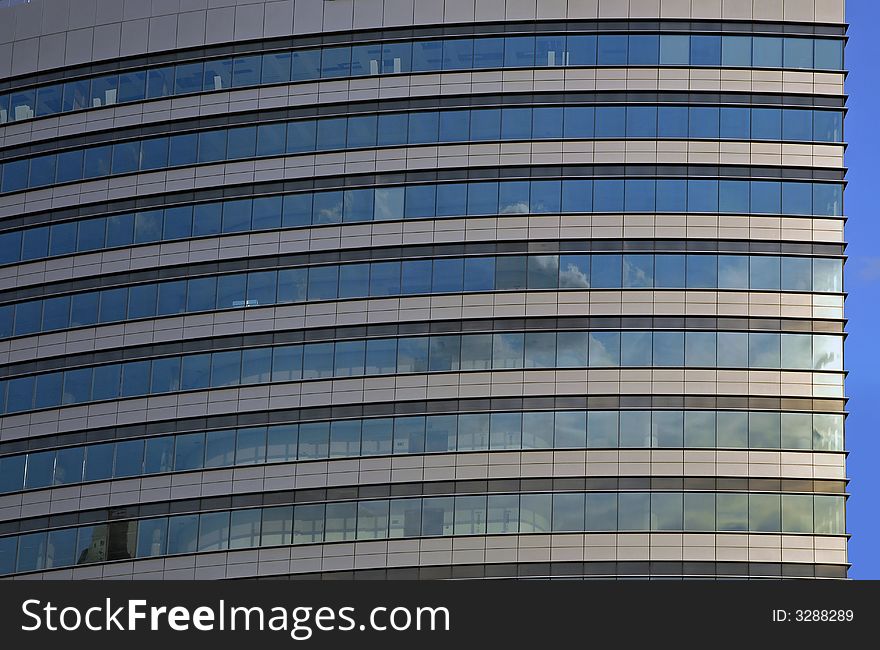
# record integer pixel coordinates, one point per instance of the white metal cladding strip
(43, 35)
(437, 386)
(436, 467)
(597, 302)
(727, 80)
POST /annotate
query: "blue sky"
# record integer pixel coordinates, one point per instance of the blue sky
(862, 131)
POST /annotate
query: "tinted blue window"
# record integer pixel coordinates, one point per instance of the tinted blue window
(177, 222)
(482, 198)
(231, 290)
(668, 349)
(362, 131)
(172, 298)
(610, 121)
(331, 134)
(672, 121)
(479, 274)
(766, 52)
(76, 96)
(604, 349)
(266, 213)
(827, 126)
(126, 157)
(15, 175)
(84, 309)
(644, 49)
(236, 216)
(297, 210)
(797, 198)
(733, 272)
(218, 74)
(702, 271)
(549, 51)
(735, 123)
(577, 196)
(608, 195)
(639, 195)
(154, 153)
(206, 219)
(419, 201)
(581, 49)
(764, 273)
(69, 166)
(11, 477)
(674, 50)
(201, 294)
(489, 53)
(188, 78)
(247, 70)
(40, 468)
(766, 197)
(797, 53)
(335, 62)
(56, 313)
(323, 282)
(705, 50)
(385, 279)
(641, 121)
(42, 171)
(458, 54)
(703, 122)
(165, 375)
(516, 123)
(451, 199)
(513, 197)
(733, 197)
(638, 271)
(10, 247)
(19, 394)
(49, 100)
(354, 280)
(605, 272)
(195, 371)
(669, 271)
(546, 197)
(62, 239)
(22, 104)
(28, 317)
(671, 195)
(519, 51)
(96, 162)
(212, 146)
(396, 58)
(327, 207)
(612, 49)
(271, 139)
(485, 124)
(105, 381)
(112, 305)
(392, 129)
(104, 90)
(423, 127)
(306, 65)
(183, 149)
(132, 86)
(241, 143)
(148, 227)
(427, 56)
(447, 275)
(48, 390)
(226, 368)
(142, 301)
(135, 378)
(797, 124)
(827, 199)
(736, 51)
(455, 126)
(160, 82)
(547, 122)
(578, 122)
(828, 54)
(77, 386)
(766, 124)
(129, 458)
(702, 196)
(91, 234)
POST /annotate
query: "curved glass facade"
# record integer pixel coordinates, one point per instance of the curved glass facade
(560, 287)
